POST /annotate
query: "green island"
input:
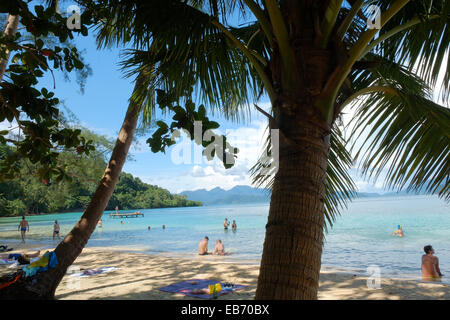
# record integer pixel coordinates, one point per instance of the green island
(29, 194)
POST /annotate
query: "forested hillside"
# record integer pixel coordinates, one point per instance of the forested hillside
(29, 194)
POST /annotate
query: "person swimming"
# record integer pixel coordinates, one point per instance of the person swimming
(398, 232)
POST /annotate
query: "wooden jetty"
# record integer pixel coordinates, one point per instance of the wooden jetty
(126, 215)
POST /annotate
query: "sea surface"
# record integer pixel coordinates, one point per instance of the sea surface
(360, 237)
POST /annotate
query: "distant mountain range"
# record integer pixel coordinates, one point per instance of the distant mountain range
(247, 194)
(236, 195)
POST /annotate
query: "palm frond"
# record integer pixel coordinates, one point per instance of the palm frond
(423, 47)
(188, 50)
(340, 186)
(407, 138)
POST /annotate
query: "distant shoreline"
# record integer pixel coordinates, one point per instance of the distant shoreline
(82, 210)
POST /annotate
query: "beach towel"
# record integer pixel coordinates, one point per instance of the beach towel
(92, 272)
(186, 288)
(48, 261)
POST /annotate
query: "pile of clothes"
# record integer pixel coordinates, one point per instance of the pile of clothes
(30, 272)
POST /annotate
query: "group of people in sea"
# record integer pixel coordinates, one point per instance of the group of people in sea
(226, 224)
(430, 262)
(24, 227)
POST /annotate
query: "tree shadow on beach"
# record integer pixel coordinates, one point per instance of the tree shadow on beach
(346, 286)
(140, 276)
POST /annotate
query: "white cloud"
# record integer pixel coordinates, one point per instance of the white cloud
(210, 174)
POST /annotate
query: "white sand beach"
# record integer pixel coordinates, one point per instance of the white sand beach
(139, 277)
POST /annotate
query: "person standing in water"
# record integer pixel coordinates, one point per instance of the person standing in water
(430, 265)
(23, 227)
(234, 226)
(226, 223)
(56, 230)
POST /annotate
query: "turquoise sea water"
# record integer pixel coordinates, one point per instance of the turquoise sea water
(360, 237)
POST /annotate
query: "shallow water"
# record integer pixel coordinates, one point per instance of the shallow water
(360, 237)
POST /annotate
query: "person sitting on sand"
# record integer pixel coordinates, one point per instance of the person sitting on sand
(55, 229)
(398, 232)
(219, 249)
(24, 227)
(22, 258)
(234, 226)
(203, 247)
(430, 265)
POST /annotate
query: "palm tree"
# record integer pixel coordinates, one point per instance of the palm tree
(311, 58)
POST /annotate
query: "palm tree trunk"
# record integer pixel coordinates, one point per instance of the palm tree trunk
(10, 30)
(72, 245)
(290, 264)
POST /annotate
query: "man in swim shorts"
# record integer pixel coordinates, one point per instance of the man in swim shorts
(24, 227)
(203, 247)
(430, 265)
(56, 230)
(22, 258)
(226, 223)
